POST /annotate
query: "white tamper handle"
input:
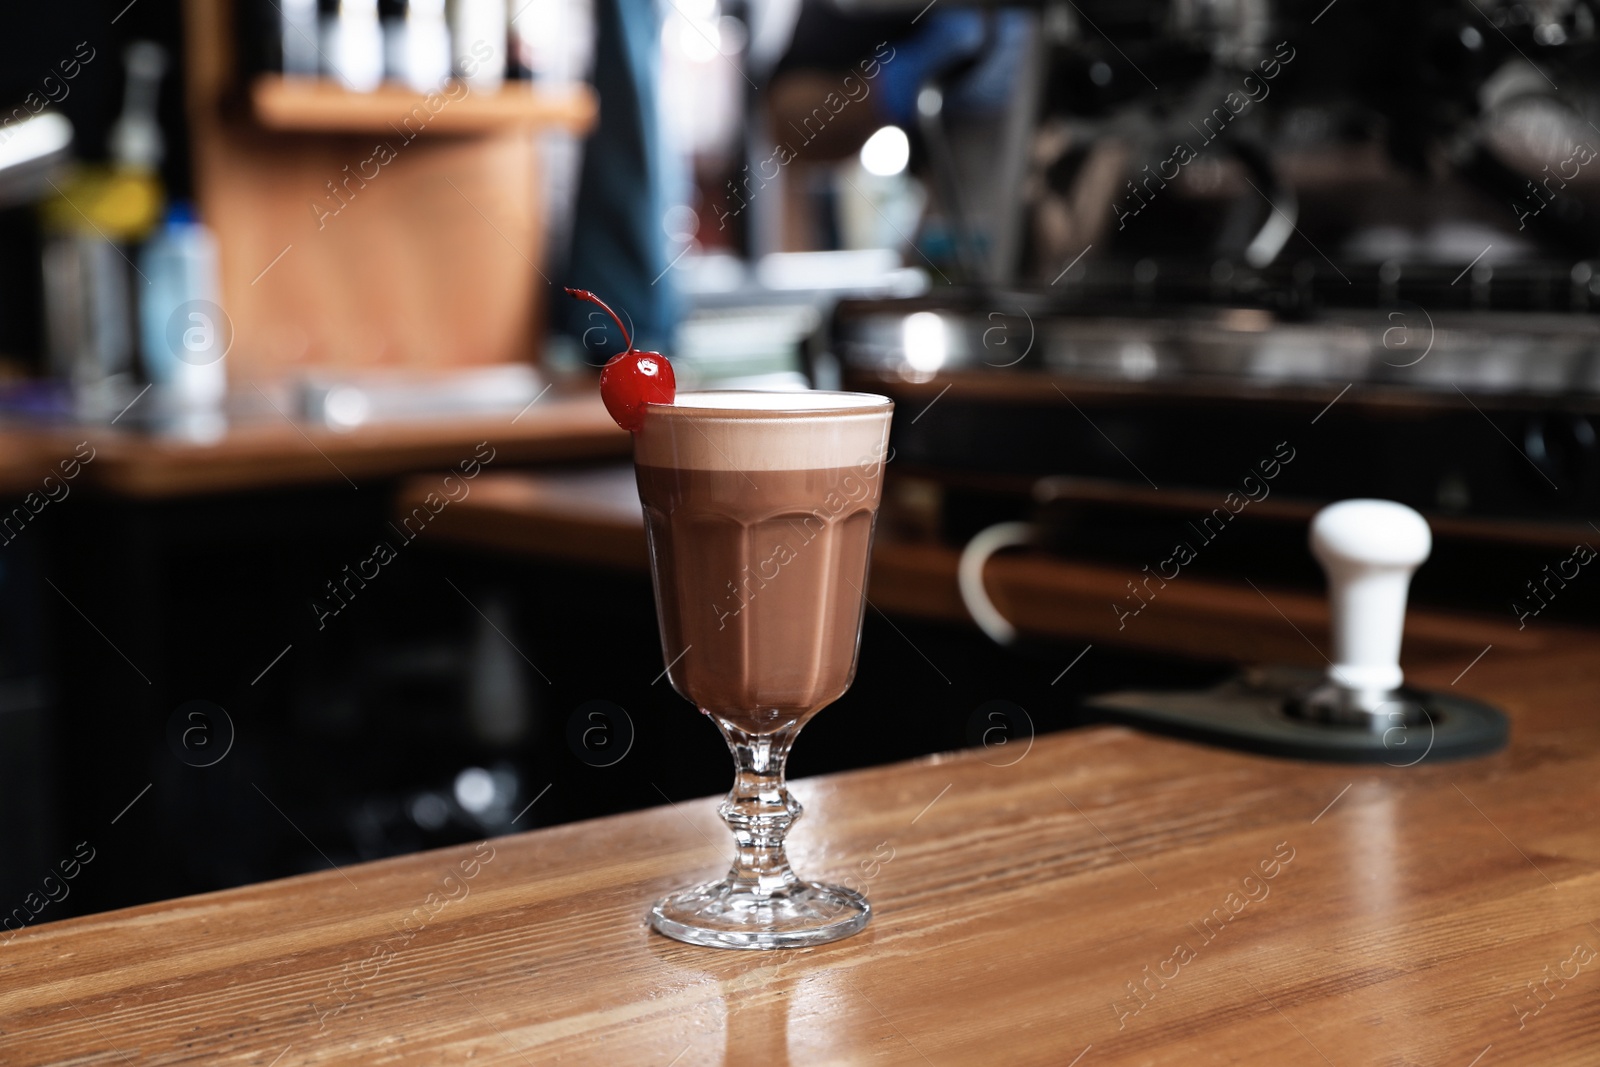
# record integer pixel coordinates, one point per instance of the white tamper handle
(1368, 549)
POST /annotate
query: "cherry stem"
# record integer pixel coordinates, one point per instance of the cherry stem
(584, 294)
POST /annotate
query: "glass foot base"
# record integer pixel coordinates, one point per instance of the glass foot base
(722, 915)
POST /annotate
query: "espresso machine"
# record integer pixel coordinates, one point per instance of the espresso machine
(1200, 234)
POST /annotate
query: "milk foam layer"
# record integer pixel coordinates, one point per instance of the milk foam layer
(756, 431)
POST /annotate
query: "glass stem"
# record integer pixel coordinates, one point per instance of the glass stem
(759, 809)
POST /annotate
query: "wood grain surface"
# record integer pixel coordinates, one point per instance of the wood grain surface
(1108, 898)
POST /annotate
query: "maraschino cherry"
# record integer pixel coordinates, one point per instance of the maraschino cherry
(630, 380)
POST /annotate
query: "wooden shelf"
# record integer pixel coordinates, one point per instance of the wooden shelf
(323, 106)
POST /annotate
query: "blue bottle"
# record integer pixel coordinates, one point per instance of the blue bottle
(184, 333)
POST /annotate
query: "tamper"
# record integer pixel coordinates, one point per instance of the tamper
(1368, 550)
(1358, 710)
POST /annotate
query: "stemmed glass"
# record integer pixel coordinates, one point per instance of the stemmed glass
(759, 510)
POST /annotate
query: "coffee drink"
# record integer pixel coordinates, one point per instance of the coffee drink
(760, 509)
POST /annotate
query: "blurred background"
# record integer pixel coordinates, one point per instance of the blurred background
(317, 547)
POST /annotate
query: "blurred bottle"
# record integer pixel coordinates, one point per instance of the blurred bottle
(416, 43)
(136, 142)
(552, 41)
(352, 44)
(97, 215)
(392, 17)
(297, 30)
(183, 332)
(478, 42)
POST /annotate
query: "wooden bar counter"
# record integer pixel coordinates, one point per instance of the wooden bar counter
(274, 451)
(278, 452)
(592, 517)
(1106, 898)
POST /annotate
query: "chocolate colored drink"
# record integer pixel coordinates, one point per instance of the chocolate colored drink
(759, 509)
